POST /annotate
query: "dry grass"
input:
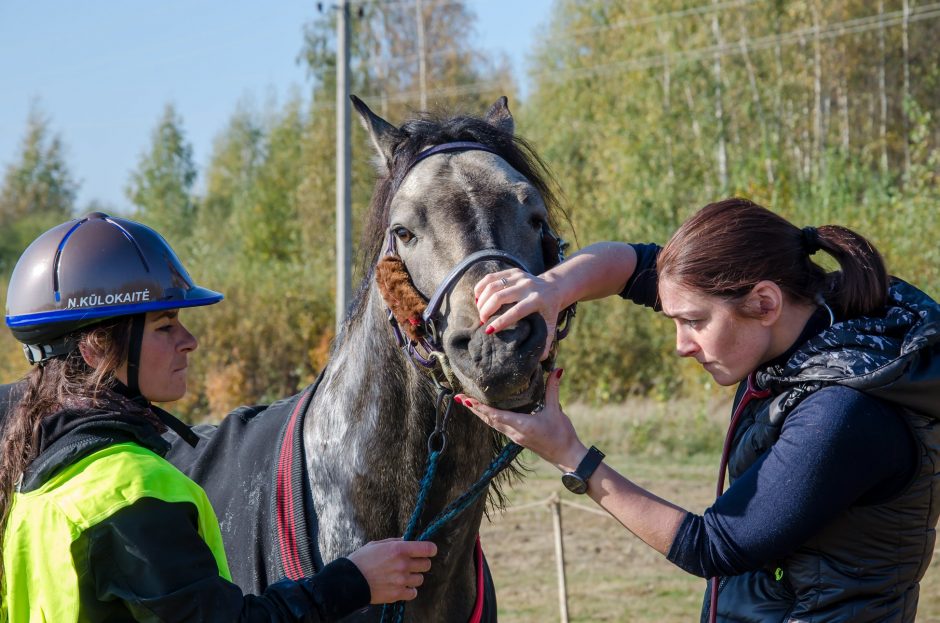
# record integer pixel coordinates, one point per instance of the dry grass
(612, 575)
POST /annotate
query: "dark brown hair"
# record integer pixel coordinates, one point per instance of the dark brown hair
(727, 247)
(62, 382)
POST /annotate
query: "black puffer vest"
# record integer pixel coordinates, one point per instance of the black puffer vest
(867, 564)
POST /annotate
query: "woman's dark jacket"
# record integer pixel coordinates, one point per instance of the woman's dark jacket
(864, 560)
(174, 574)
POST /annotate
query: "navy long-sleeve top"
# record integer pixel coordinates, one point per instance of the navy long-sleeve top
(838, 448)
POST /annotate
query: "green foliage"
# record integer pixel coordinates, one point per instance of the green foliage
(38, 190)
(161, 187)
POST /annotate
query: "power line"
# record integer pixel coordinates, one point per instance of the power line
(651, 19)
(403, 3)
(829, 31)
(658, 17)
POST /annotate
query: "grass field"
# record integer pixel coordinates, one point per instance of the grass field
(612, 575)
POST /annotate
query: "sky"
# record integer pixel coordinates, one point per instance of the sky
(102, 71)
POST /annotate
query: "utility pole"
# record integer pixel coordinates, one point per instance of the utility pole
(422, 56)
(343, 167)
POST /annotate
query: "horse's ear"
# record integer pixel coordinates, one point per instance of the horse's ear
(384, 135)
(499, 116)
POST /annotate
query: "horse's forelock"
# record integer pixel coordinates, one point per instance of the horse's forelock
(427, 132)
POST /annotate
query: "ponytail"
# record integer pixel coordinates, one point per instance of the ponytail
(860, 287)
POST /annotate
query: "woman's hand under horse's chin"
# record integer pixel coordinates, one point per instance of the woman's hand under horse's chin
(525, 400)
(548, 432)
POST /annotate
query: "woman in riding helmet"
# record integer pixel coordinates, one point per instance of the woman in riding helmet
(833, 450)
(95, 524)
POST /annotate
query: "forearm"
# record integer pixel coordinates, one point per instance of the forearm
(150, 557)
(652, 519)
(596, 271)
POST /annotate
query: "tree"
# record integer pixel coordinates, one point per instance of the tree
(38, 190)
(161, 186)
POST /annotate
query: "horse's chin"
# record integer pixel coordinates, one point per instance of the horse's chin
(523, 397)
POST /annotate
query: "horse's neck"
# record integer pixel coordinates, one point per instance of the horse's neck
(366, 439)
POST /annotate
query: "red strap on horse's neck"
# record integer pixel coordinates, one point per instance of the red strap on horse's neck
(296, 564)
(291, 531)
(477, 615)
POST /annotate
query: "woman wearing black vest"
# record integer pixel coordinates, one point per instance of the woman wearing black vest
(833, 450)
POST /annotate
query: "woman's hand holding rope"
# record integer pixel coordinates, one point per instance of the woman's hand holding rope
(394, 569)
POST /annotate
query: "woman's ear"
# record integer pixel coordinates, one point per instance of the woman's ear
(89, 354)
(765, 302)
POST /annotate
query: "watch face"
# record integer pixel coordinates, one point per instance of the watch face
(573, 483)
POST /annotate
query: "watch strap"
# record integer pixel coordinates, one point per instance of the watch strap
(589, 463)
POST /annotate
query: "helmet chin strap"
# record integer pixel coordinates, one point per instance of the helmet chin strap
(135, 340)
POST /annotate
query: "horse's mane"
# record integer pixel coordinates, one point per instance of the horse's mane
(428, 131)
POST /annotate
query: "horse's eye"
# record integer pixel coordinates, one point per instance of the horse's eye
(536, 222)
(403, 234)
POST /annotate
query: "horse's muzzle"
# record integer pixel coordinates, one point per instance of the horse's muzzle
(502, 369)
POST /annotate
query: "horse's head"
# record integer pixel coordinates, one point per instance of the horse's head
(450, 190)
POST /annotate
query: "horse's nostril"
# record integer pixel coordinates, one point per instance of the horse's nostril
(461, 341)
(518, 332)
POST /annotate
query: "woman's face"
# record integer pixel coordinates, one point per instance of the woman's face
(729, 346)
(164, 350)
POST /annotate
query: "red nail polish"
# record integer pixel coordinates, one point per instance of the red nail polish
(489, 330)
(458, 400)
(559, 372)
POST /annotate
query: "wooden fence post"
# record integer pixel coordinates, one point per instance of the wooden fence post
(555, 503)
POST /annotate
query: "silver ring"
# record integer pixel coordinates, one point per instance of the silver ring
(505, 282)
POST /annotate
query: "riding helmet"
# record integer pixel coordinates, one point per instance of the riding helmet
(87, 270)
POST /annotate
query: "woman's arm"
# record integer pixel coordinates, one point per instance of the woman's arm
(150, 557)
(551, 435)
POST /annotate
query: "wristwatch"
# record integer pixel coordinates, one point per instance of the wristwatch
(577, 481)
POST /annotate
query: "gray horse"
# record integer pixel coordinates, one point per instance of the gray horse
(340, 464)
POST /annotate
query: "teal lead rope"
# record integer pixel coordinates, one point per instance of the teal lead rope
(509, 452)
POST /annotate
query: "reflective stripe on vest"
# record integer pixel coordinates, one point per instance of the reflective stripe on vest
(41, 580)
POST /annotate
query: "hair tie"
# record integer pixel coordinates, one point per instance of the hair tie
(811, 242)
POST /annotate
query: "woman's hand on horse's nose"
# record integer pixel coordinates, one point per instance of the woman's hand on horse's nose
(526, 293)
(393, 568)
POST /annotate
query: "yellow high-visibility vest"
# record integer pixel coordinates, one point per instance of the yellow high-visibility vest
(41, 582)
